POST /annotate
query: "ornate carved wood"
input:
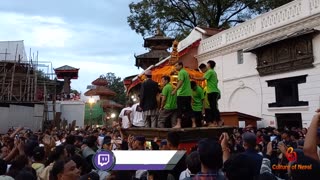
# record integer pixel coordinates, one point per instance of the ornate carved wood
(286, 55)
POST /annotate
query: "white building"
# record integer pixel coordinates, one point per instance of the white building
(70, 111)
(270, 66)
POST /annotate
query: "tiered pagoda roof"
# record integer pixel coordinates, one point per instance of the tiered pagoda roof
(111, 104)
(101, 89)
(158, 45)
(100, 82)
(66, 71)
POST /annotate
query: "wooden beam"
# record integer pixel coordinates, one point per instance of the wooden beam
(186, 134)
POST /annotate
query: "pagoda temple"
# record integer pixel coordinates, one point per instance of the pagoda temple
(104, 94)
(158, 45)
(100, 89)
(66, 73)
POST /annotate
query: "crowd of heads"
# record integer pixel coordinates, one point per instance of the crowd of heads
(245, 153)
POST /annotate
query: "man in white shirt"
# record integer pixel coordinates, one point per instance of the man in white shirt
(137, 116)
(125, 117)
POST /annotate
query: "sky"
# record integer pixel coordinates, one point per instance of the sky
(92, 35)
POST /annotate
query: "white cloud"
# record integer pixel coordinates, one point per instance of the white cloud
(94, 48)
(51, 32)
(50, 36)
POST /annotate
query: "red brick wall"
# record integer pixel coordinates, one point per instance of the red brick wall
(189, 60)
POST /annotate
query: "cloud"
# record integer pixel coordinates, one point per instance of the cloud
(90, 35)
(38, 32)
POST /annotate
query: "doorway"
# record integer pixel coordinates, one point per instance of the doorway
(289, 120)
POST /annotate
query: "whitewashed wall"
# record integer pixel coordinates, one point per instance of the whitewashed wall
(245, 91)
(4, 119)
(70, 110)
(242, 88)
(21, 116)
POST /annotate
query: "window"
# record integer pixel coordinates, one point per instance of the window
(289, 120)
(286, 53)
(240, 56)
(287, 92)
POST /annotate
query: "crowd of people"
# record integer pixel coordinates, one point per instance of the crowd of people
(246, 153)
(185, 105)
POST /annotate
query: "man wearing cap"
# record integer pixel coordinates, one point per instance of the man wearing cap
(148, 100)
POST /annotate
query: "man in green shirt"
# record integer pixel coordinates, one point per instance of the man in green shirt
(168, 107)
(197, 104)
(207, 111)
(184, 94)
(212, 90)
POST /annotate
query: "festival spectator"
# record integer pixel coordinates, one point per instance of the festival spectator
(137, 116)
(23, 156)
(90, 176)
(285, 136)
(259, 136)
(26, 173)
(193, 164)
(39, 160)
(148, 100)
(137, 143)
(64, 169)
(57, 153)
(249, 144)
(163, 145)
(124, 116)
(210, 153)
(106, 144)
(3, 167)
(313, 138)
(173, 141)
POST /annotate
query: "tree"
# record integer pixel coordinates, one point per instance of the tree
(74, 91)
(116, 85)
(178, 17)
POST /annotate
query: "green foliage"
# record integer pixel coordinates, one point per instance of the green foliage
(41, 76)
(116, 85)
(178, 17)
(93, 113)
(74, 91)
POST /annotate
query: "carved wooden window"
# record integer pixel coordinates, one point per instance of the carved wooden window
(284, 55)
(287, 92)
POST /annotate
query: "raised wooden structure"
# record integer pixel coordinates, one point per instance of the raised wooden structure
(186, 134)
(232, 119)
